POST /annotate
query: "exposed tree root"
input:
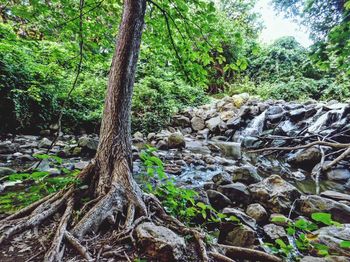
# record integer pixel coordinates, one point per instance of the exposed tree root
(120, 209)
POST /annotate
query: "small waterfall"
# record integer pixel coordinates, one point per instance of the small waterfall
(256, 126)
(326, 119)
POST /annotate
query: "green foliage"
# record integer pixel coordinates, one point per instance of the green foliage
(37, 184)
(156, 99)
(301, 232)
(179, 202)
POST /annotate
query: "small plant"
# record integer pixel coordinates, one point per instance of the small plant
(180, 202)
(301, 233)
(37, 185)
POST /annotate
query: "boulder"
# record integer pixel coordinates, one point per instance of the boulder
(242, 236)
(236, 192)
(176, 140)
(230, 149)
(213, 123)
(197, 123)
(45, 143)
(306, 158)
(246, 174)
(234, 123)
(181, 121)
(313, 204)
(338, 174)
(222, 179)
(159, 243)
(258, 212)
(274, 232)
(7, 147)
(274, 193)
(218, 200)
(332, 236)
(88, 143)
(243, 217)
(325, 259)
(5, 171)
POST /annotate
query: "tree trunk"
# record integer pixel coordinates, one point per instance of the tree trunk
(114, 156)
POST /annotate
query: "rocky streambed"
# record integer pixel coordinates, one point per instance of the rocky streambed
(209, 149)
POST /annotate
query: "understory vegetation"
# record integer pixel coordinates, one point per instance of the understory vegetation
(183, 61)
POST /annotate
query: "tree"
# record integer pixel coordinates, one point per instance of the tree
(108, 176)
(108, 179)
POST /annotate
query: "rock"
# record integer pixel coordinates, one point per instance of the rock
(197, 123)
(45, 143)
(313, 204)
(54, 127)
(331, 236)
(251, 142)
(176, 140)
(258, 212)
(218, 200)
(335, 195)
(213, 123)
(274, 193)
(88, 144)
(239, 100)
(151, 136)
(236, 192)
(159, 243)
(297, 114)
(81, 165)
(162, 145)
(243, 217)
(274, 110)
(274, 232)
(234, 123)
(138, 137)
(338, 174)
(5, 171)
(53, 171)
(230, 149)
(281, 221)
(222, 179)
(45, 132)
(181, 121)
(242, 236)
(246, 174)
(306, 159)
(325, 259)
(8, 147)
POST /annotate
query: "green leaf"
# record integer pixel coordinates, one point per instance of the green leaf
(345, 244)
(324, 218)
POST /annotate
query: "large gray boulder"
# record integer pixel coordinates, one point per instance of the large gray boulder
(306, 159)
(332, 236)
(274, 193)
(236, 192)
(159, 243)
(313, 204)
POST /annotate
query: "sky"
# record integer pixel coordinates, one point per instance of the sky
(276, 25)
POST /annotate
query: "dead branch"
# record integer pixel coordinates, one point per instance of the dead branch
(244, 253)
(322, 143)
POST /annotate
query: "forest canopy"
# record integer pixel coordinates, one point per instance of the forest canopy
(188, 51)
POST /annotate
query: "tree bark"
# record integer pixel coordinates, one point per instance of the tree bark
(114, 156)
(112, 180)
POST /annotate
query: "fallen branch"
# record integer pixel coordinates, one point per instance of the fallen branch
(247, 253)
(322, 143)
(337, 160)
